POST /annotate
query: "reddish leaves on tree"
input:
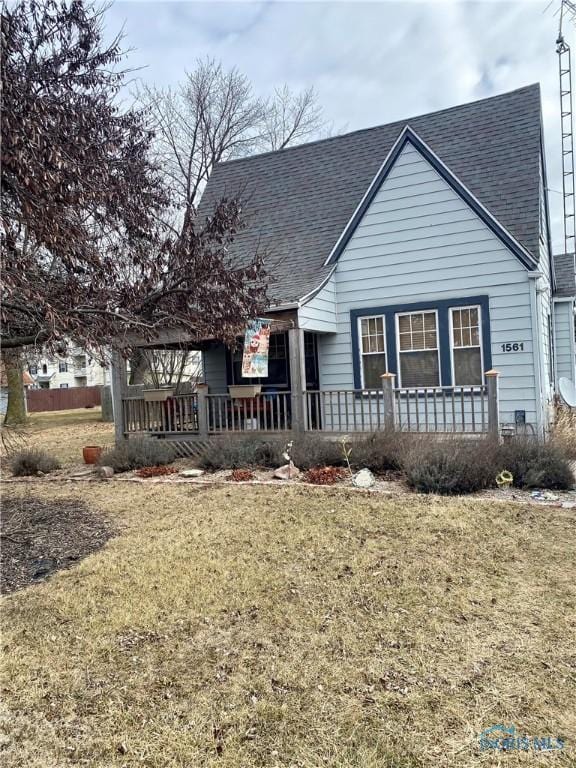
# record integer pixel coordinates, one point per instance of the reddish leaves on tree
(89, 246)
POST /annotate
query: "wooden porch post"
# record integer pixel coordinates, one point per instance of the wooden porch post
(389, 410)
(202, 390)
(297, 377)
(493, 404)
(118, 380)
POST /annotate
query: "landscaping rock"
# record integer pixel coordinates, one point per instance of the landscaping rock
(286, 472)
(191, 473)
(105, 472)
(363, 479)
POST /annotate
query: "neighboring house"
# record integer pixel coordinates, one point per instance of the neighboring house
(564, 322)
(419, 248)
(76, 369)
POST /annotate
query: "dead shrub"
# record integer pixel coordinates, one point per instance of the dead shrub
(137, 454)
(535, 464)
(382, 451)
(239, 452)
(453, 466)
(33, 462)
(311, 450)
(564, 432)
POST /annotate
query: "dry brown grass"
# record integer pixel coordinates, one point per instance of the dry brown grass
(564, 431)
(65, 433)
(244, 627)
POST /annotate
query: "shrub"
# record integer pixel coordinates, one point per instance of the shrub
(137, 454)
(451, 466)
(309, 450)
(32, 462)
(535, 464)
(324, 475)
(239, 452)
(382, 451)
(564, 432)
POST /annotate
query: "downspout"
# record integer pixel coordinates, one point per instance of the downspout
(537, 350)
(573, 340)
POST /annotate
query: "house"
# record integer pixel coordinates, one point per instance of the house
(564, 322)
(419, 249)
(75, 369)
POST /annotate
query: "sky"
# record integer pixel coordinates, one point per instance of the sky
(370, 62)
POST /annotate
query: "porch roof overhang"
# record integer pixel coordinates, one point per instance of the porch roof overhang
(179, 338)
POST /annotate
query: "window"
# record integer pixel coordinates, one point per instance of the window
(63, 386)
(418, 349)
(466, 346)
(62, 366)
(372, 351)
(277, 363)
(44, 369)
(33, 370)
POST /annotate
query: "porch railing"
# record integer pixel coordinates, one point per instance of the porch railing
(267, 412)
(445, 409)
(177, 415)
(442, 409)
(201, 413)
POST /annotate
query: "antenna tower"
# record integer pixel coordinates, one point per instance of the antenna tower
(567, 12)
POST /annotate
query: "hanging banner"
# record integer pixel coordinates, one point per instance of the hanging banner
(256, 343)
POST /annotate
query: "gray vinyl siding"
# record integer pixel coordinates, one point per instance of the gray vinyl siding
(564, 340)
(419, 241)
(319, 314)
(214, 362)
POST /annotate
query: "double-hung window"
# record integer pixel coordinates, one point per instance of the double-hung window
(466, 346)
(373, 350)
(418, 349)
(62, 366)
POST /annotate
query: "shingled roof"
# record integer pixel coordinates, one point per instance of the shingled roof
(299, 200)
(564, 274)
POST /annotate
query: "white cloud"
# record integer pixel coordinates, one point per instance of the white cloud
(371, 62)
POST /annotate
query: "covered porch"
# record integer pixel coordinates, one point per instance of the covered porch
(291, 398)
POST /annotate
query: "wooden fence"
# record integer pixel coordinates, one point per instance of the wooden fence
(62, 399)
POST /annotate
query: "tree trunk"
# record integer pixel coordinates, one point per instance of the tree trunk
(16, 407)
(138, 367)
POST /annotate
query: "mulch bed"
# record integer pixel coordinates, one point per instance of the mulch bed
(41, 537)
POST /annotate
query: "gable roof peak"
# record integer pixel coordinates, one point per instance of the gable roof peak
(299, 200)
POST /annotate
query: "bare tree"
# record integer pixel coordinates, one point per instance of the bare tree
(291, 118)
(175, 367)
(215, 116)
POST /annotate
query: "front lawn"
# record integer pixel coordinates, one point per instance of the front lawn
(64, 433)
(293, 627)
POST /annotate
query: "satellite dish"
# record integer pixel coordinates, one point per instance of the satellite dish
(567, 392)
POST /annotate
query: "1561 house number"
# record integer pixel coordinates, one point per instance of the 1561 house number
(512, 346)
